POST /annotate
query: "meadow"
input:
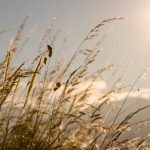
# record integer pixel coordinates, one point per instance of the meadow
(46, 107)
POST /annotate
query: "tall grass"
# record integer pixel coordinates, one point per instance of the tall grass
(43, 107)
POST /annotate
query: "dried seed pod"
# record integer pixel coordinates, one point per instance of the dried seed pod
(58, 84)
(55, 89)
(49, 50)
(45, 60)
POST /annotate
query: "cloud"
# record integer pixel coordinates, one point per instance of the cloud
(97, 89)
(143, 93)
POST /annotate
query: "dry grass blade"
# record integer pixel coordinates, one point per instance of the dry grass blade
(141, 142)
(122, 105)
(20, 32)
(37, 69)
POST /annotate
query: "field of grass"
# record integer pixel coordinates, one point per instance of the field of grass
(42, 107)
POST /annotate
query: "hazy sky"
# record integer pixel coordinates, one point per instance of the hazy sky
(129, 40)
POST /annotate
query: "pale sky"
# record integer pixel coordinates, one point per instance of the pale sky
(129, 40)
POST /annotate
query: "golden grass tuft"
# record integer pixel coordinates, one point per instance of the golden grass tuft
(42, 107)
